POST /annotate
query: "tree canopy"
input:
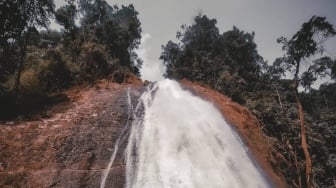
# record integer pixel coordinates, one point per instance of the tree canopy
(203, 54)
(304, 44)
(102, 44)
(65, 16)
(18, 16)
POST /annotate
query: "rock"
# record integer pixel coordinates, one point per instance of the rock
(75, 152)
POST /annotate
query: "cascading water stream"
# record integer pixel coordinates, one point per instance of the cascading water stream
(179, 140)
(120, 139)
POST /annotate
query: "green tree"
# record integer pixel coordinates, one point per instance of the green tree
(169, 56)
(305, 43)
(95, 12)
(17, 19)
(66, 16)
(117, 28)
(202, 54)
(10, 21)
(239, 51)
(193, 56)
(202, 35)
(121, 33)
(321, 68)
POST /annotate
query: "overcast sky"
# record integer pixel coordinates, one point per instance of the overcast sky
(269, 19)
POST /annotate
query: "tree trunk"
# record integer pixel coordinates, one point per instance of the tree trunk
(296, 74)
(279, 98)
(23, 47)
(18, 77)
(304, 144)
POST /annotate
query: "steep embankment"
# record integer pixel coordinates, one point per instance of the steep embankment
(70, 144)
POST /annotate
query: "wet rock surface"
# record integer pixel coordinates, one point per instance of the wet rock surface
(71, 148)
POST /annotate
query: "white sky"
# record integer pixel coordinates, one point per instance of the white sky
(269, 19)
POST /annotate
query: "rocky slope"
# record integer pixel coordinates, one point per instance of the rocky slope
(70, 144)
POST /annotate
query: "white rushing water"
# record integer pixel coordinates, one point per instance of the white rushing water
(179, 140)
(120, 139)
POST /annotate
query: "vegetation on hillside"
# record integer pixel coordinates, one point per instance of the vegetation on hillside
(98, 40)
(36, 64)
(301, 125)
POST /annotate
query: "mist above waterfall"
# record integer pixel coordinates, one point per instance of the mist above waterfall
(181, 140)
(151, 70)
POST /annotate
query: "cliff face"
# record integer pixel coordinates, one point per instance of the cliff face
(70, 144)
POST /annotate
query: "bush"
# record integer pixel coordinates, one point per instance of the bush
(94, 61)
(54, 72)
(30, 83)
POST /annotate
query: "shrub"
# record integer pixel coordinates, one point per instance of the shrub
(94, 61)
(54, 72)
(30, 83)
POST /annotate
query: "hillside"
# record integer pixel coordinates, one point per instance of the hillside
(66, 96)
(71, 143)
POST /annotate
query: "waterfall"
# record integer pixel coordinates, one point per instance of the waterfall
(121, 138)
(179, 140)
